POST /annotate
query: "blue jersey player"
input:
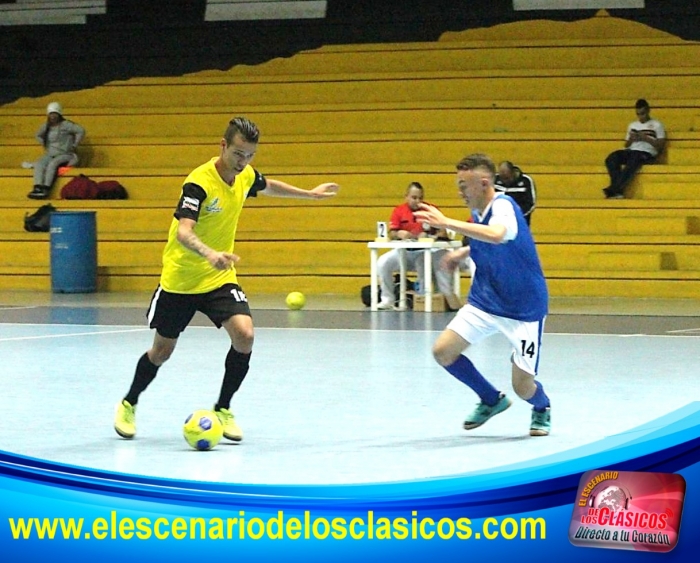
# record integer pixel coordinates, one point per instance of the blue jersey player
(508, 295)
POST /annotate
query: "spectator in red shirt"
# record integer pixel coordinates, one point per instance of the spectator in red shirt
(404, 226)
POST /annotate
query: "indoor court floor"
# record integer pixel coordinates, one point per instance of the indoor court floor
(336, 394)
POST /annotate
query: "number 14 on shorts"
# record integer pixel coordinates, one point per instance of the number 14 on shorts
(527, 348)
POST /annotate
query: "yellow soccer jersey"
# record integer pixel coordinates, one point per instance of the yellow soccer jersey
(216, 207)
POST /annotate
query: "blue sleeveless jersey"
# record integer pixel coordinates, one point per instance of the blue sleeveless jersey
(509, 281)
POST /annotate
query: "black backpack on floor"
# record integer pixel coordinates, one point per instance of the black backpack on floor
(366, 293)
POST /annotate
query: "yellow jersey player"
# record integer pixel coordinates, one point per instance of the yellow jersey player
(199, 271)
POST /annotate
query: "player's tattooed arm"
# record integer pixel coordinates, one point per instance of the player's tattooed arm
(189, 239)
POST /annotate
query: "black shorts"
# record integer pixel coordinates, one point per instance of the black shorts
(170, 313)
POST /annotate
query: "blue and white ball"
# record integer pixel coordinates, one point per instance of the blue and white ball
(203, 430)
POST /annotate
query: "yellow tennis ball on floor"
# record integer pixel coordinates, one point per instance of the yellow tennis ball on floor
(295, 300)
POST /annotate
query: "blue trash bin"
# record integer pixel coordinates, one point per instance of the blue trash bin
(73, 252)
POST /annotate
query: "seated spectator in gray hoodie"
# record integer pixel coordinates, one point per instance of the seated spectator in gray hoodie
(60, 137)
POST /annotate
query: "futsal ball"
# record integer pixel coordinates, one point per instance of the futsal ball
(203, 430)
(296, 300)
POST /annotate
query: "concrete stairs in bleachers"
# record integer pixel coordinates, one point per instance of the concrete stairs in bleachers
(373, 118)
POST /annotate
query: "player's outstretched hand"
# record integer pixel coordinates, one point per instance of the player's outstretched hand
(430, 214)
(449, 262)
(223, 260)
(329, 189)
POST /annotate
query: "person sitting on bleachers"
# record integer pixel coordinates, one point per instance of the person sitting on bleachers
(645, 140)
(60, 137)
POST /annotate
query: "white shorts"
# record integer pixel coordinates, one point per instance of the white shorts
(474, 325)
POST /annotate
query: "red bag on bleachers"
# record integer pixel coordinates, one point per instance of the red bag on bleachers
(111, 189)
(80, 187)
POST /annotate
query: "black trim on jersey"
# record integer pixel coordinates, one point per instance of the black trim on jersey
(259, 184)
(190, 202)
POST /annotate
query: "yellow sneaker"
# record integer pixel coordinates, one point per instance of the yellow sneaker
(125, 420)
(232, 431)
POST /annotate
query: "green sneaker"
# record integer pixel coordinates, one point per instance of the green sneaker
(232, 431)
(541, 423)
(483, 412)
(125, 420)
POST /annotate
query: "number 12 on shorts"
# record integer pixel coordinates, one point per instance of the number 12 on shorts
(527, 349)
(238, 295)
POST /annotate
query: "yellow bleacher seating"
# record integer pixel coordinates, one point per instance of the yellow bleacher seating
(373, 118)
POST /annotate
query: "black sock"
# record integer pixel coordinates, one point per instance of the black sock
(145, 373)
(237, 365)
